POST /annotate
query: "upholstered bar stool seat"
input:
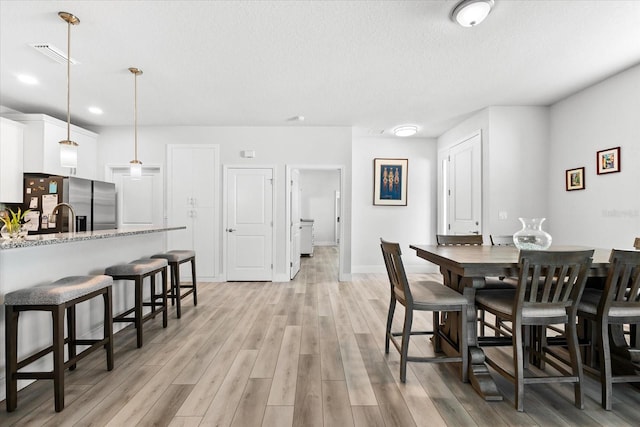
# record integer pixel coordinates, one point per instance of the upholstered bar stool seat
(175, 258)
(58, 297)
(137, 271)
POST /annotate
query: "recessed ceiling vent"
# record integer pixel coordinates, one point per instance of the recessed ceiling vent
(52, 52)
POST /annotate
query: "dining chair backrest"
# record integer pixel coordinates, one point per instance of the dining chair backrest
(636, 243)
(395, 269)
(459, 240)
(623, 281)
(554, 279)
(505, 240)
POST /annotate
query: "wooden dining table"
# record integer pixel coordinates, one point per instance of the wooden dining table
(464, 269)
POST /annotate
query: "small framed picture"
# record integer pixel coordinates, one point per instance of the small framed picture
(390, 182)
(608, 161)
(575, 179)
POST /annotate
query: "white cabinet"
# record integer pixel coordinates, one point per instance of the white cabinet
(192, 201)
(42, 151)
(306, 237)
(11, 162)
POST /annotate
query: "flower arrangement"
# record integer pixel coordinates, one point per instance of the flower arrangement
(13, 221)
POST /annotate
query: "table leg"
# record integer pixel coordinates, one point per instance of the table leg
(479, 375)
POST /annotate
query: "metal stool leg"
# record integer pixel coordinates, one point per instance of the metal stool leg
(58, 356)
(108, 326)
(138, 310)
(175, 284)
(11, 347)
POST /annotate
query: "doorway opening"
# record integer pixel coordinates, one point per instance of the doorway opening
(314, 213)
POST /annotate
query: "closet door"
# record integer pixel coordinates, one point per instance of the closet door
(249, 206)
(465, 187)
(192, 187)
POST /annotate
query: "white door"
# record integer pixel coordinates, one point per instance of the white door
(249, 224)
(139, 201)
(338, 209)
(295, 222)
(465, 187)
(203, 215)
(179, 189)
(192, 180)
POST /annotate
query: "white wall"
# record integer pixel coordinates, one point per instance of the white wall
(274, 146)
(317, 195)
(607, 213)
(414, 223)
(516, 168)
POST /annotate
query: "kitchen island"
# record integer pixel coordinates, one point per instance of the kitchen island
(41, 259)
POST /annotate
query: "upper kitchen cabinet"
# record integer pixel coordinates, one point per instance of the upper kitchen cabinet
(42, 151)
(11, 169)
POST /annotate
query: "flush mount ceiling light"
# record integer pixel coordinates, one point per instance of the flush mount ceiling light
(406, 130)
(470, 13)
(68, 148)
(135, 164)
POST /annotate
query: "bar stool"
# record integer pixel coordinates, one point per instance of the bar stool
(56, 298)
(137, 271)
(175, 258)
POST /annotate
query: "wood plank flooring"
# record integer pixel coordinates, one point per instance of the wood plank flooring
(305, 353)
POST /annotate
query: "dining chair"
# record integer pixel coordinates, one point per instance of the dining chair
(421, 296)
(499, 327)
(618, 304)
(501, 240)
(491, 283)
(549, 288)
(459, 239)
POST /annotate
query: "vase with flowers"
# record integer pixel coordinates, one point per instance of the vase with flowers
(13, 224)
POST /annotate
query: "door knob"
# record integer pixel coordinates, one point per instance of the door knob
(231, 230)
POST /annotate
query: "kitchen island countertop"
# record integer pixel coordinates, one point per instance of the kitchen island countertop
(57, 238)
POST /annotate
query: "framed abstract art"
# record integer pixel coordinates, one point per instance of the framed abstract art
(608, 160)
(390, 182)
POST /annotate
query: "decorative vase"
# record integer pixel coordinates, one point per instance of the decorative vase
(13, 234)
(532, 236)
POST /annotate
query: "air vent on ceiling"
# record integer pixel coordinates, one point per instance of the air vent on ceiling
(52, 52)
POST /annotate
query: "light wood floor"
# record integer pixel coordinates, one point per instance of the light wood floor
(305, 353)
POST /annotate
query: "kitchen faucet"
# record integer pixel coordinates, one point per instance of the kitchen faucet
(72, 216)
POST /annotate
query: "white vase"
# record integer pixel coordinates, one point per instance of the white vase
(532, 236)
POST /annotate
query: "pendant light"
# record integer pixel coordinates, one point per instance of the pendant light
(135, 164)
(69, 148)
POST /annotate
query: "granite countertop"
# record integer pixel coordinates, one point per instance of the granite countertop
(57, 238)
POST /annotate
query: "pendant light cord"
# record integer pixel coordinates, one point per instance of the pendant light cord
(135, 115)
(68, 80)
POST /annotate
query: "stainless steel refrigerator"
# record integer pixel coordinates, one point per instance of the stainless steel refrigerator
(103, 207)
(93, 202)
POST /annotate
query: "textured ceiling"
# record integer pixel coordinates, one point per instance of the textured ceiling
(368, 64)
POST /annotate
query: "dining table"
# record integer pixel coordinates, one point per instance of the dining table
(464, 268)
